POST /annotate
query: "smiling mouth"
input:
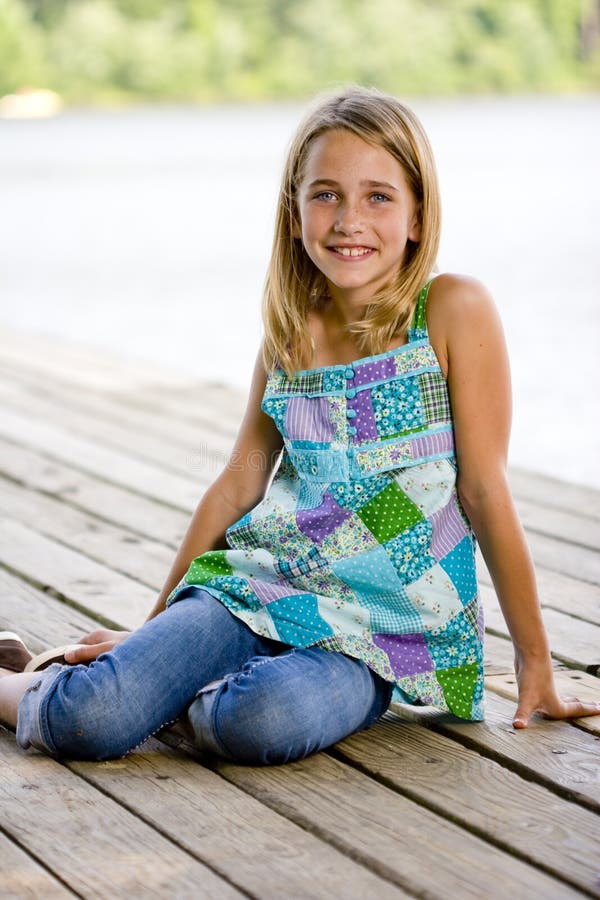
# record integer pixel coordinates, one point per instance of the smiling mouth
(351, 252)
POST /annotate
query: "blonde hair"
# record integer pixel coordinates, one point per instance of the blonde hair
(294, 283)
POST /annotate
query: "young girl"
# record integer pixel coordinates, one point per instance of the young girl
(331, 565)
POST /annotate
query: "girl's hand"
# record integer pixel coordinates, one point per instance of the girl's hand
(92, 645)
(537, 693)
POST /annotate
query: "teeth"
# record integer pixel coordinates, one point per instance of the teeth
(352, 251)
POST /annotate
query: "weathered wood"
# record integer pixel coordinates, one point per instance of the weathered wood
(488, 811)
(25, 879)
(499, 654)
(572, 641)
(62, 359)
(117, 600)
(482, 796)
(555, 754)
(187, 450)
(91, 843)
(144, 560)
(554, 493)
(114, 466)
(244, 841)
(140, 515)
(390, 833)
(40, 620)
(569, 683)
(572, 527)
(98, 370)
(127, 409)
(561, 592)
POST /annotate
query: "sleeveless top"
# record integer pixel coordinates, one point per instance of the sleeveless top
(360, 544)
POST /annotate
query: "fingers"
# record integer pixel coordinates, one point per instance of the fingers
(566, 708)
(521, 722)
(576, 709)
(82, 653)
(96, 637)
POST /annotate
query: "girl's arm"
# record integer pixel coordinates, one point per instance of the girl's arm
(464, 325)
(238, 488)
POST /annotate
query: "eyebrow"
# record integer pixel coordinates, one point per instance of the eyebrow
(331, 182)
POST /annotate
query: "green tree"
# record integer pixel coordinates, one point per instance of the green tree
(21, 48)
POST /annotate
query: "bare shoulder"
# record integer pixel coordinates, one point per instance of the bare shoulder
(459, 309)
(454, 295)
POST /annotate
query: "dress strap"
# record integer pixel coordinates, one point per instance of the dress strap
(418, 328)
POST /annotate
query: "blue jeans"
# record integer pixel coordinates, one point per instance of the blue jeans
(247, 698)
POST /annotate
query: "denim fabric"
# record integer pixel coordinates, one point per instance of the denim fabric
(248, 698)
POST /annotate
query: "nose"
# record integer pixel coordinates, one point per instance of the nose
(348, 221)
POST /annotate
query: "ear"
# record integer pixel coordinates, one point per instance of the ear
(414, 231)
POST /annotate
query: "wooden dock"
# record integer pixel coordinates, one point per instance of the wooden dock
(102, 462)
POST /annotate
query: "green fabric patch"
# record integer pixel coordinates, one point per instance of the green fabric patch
(458, 686)
(209, 565)
(389, 513)
(434, 397)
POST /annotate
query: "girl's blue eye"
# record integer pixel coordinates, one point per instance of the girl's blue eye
(325, 195)
(379, 197)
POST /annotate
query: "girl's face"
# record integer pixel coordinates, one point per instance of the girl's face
(356, 215)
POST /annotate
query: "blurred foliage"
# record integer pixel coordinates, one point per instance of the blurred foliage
(113, 50)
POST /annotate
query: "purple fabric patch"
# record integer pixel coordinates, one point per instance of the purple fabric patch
(448, 530)
(432, 444)
(268, 591)
(408, 653)
(307, 419)
(375, 371)
(322, 520)
(366, 429)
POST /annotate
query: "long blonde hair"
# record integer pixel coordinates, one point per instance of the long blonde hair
(294, 283)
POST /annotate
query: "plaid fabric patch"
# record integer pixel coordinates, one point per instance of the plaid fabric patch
(245, 535)
(302, 566)
(471, 612)
(434, 398)
(392, 614)
(279, 383)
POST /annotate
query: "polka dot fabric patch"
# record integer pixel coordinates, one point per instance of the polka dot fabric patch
(360, 545)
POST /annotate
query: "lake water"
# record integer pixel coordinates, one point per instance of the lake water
(147, 231)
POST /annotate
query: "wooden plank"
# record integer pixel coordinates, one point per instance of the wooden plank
(554, 493)
(140, 515)
(210, 451)
(481, 795)
(98, 369)
(129, 408)
(66, 363)
(94, 845)
(25, 879)
(572, 641)
(561, 592)
(252, 846)
(40, 620)
(498, 653)
(553, 753)
(115, 599)
(113, 466)
(572, 527)
(219, 824)
(550, 553)
(569, 683)
(144, 560)
(204, 454)
(389, 833)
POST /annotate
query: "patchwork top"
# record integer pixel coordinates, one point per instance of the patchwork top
(360, 545)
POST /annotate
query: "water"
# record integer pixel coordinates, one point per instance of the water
(148, 231)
